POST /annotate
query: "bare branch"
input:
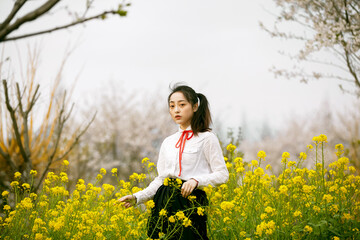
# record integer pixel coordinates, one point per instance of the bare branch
(51, 158)
(77, 138)
(8, 160)
(28, 17)
(17, 6)
(14, 122)
(351, 70)
(101, 15)
(34, 99)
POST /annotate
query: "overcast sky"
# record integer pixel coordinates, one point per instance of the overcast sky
(217, 47)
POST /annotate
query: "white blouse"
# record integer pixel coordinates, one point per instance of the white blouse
(202, 159)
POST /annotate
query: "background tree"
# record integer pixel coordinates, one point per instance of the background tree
(340, 127)
(28, 139)
(13, 21)
(129, 126)
(331, 26)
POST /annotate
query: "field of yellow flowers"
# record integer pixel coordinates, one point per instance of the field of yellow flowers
(299, 203)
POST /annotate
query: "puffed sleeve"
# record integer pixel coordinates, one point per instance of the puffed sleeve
(214, 156)
(149, 192)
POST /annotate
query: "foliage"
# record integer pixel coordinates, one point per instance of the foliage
(331, 25)
(300, 203)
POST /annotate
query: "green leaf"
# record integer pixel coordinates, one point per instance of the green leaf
(122, 13)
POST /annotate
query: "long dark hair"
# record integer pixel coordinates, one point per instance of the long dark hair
(202, 117)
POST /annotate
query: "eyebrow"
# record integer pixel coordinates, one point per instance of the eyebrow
(178, 101)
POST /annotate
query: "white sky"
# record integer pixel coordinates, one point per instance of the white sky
(216, 47)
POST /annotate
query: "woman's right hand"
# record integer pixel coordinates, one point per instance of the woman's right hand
(129, 200)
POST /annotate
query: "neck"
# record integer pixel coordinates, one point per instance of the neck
(184, 127)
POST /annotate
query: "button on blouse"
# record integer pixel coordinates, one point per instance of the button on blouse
(202, 159)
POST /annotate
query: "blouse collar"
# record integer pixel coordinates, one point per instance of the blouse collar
(187, 129)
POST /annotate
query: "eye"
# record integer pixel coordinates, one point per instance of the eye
(183, 104)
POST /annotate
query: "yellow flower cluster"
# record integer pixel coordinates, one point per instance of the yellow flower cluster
(297, 203)
(173, 182)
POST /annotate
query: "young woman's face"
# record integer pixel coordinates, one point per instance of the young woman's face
(181, 110)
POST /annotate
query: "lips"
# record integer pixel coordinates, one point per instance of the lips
(177, 116)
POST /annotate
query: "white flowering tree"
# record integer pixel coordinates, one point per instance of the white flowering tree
(129, 126)
(328, 26)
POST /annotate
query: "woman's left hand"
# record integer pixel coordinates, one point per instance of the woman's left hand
(188, 187)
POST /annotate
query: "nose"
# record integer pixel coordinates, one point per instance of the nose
(177, 109)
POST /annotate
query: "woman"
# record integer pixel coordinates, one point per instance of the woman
(189, 160)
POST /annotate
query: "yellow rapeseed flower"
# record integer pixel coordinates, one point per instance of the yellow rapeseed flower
(328, 197)
(200, 211)
(191, 197)
(259, 171)
(261, 154)
(226, 219)
(180, 215)
(114, 171)
(7, 208)
(103, 171)
(284, 157)
(5, 194)
(322, 138)
(226, 205)
(303, 156)
(33, 172)
(172, 219)
(297, 214)
(231, 147)
(151, 165)
(179, 182)
(291, 163)
(162, 212)
(255, 163)
(186, 222)
(269, 209)
(283, 189)
(308, 229)
(99, 177)
(150, 204)
(65, 163)
(17, 175)
(14, 184)
(229, 165)
(39, 236)
(346, 216)
(144, 160)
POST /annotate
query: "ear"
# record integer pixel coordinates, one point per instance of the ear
(195, 107)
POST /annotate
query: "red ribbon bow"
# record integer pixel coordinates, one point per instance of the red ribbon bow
(181, 144)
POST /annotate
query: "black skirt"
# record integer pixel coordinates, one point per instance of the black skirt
(166, 218)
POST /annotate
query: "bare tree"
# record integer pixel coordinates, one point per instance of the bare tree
(24, 146)
(322, 25)
(12, 22)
